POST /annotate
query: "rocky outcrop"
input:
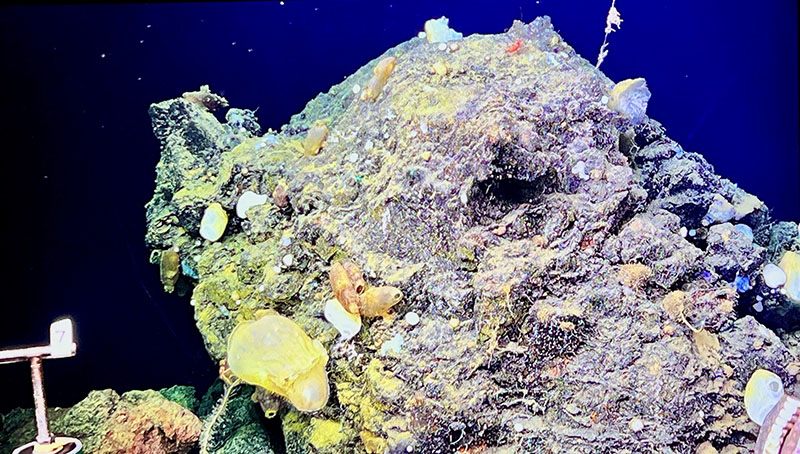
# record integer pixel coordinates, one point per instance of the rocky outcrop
(141, 422)
(579, 280)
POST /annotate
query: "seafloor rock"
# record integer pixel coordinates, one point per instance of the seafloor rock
(232, 428)
(143, 422)
(536, 232)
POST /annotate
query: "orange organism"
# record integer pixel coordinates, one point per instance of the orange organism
(345, 286)
(354, 273)
(377, 301)
(514, 46)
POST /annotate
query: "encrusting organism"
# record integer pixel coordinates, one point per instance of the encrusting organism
(206, 99)
(344, 287)
(380, 75)
(629, 97)
(275, 353)
(613, 19)
(169, 265)
(214, 222)
(352, 291)
(514, 46)
(377, 301)
(777, 413)
(315, 138)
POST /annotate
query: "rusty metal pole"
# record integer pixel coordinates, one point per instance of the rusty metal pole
(43, 435)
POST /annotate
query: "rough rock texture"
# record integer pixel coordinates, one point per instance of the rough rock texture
(183, 395)
(236, 428)
(571, 298)
(141, 422)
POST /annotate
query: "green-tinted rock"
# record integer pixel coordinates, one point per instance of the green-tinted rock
(234, 428)
(182, 395)
(107, 423)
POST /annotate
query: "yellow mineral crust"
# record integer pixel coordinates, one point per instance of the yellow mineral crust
(275, 353)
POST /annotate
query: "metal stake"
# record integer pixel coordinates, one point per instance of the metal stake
(43, 435)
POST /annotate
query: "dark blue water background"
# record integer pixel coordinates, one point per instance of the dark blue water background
(78, 155)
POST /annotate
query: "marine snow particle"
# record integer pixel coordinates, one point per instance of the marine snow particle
(248, 200)
(439, 31)
(352, 157)
(346, 323)
(636, 424)
(684, 231)
(758, 307)
(287, 260)
(213, 223)
(275, 353)
(773, 275)
(286, 241)
(629, 97)
(412, 318)
(454, 322)
(356, 88)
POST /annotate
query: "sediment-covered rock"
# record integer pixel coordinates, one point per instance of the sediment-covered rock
(583, 284)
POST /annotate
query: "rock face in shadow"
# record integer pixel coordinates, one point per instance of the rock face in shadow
(573, 295)
(142, 422)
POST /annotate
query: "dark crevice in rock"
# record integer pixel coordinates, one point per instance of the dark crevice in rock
(460, 436)
(495, 197)
(784, 317)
